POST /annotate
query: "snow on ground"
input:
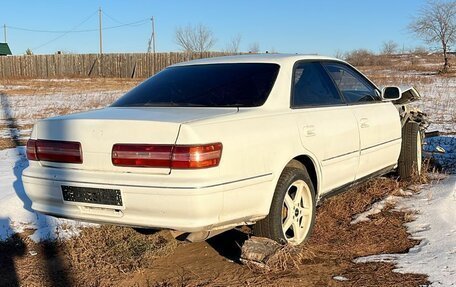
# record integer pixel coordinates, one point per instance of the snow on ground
(15, 212)
(17, 111)
(340, 278)
(377, 207)
(438, 95)
(435, 226)
(34, 107)
(439, 102)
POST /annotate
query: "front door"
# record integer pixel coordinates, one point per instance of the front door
(378, 122)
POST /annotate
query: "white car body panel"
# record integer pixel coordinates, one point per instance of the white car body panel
(257, 145)
(380, 136)
(338, 157)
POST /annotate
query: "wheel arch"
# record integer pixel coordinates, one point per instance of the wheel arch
(311, 167)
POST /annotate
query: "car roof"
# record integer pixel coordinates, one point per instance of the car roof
(280, 59)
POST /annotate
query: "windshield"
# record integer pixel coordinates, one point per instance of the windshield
(211, 85)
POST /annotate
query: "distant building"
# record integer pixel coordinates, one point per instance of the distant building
(4, 49)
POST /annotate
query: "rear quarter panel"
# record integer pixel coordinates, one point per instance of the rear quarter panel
(256, 144)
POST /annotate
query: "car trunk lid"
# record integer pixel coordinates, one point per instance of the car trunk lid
(98, 131)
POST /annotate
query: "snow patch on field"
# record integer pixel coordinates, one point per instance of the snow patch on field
(15, 212)
(43, 106)
(375, 208)
(340, 278)
(435, 226)
(19, 110)
(438, 95)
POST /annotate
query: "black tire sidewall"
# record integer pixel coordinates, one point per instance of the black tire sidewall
(408, 158)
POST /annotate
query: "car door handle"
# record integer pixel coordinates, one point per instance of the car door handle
(309, 130)
(364, 123)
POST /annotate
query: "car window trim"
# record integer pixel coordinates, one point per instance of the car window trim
(292, 106)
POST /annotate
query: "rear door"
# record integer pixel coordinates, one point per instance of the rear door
(378, 122)
(327, 128)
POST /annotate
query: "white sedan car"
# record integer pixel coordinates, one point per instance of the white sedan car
(208, 145)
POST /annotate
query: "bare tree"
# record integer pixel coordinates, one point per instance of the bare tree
(254, 48)
(233, 45)
(273, 50)
(361, 57)
(389, 48)
(436, 23)
(339, 54)
(197, 38)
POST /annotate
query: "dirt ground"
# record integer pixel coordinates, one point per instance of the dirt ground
(110, 255)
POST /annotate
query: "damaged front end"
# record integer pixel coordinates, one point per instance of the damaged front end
(408, 113)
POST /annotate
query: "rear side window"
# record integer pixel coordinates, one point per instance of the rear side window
(212, 85)
(353, 87)
(313, 87)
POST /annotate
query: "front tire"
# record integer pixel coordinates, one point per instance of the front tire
(410, 159)
(292, 214)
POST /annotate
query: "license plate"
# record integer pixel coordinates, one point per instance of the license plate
(92, 195)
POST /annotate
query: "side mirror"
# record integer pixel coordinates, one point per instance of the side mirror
(391, 93)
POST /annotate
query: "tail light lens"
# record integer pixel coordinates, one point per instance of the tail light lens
(167, 156)
(202, 156)
(141, 155)
(54, 151)
(31, 150)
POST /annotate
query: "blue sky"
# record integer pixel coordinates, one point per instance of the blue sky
(322, 27)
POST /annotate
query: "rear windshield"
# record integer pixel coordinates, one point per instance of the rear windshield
(213, 85)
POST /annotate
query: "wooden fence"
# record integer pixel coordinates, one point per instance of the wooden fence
(133, 65)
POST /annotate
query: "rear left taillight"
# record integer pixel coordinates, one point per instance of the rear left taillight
(167, 156)
(54, 151)
(31, 150)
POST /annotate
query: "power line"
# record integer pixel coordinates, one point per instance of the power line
(65, 33)
(112, 18)
(133, 24)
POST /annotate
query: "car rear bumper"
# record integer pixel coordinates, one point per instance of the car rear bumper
(186, 209)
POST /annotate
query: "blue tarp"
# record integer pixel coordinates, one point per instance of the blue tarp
(447, 160)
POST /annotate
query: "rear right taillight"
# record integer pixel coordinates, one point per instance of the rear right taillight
(54, 151)
(196, 156)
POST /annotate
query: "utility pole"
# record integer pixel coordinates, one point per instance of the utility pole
(153, 32)
(4, 32)
(151, 42)
(101, 34)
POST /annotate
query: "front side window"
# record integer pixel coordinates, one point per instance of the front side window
(210, 85)
(353, 87)
(313, 87)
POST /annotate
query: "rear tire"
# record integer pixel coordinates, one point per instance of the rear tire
(292, 214)
(409, 164)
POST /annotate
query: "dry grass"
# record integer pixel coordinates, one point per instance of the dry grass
(99, 257)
